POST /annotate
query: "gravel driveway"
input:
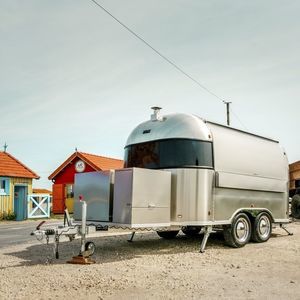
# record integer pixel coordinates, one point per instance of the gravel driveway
(153, 268)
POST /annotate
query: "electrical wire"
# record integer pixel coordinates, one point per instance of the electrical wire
(180, 69)
(236, 116)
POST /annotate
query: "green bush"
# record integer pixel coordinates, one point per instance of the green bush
(11, 216)
(7, 216)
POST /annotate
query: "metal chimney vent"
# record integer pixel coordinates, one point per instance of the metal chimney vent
(156, 114)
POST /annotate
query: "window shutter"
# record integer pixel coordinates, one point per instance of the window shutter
(7, 186)
(4, 186)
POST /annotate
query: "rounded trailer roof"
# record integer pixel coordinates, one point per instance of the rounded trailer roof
(170, 126)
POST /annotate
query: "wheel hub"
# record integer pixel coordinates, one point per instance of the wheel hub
(264, 227)
(242, 230)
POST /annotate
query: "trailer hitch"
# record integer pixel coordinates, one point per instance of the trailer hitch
(38, 227)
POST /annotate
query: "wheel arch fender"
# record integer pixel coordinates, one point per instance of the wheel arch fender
(252, 213)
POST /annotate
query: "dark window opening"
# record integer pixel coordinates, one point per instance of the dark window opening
(173, 153)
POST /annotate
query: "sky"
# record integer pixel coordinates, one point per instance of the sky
(71, 76)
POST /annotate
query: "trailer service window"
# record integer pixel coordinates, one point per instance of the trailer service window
(173, 153)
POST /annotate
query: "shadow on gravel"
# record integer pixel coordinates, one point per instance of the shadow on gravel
(116, 248)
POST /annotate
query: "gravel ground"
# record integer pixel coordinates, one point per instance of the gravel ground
(153, 268)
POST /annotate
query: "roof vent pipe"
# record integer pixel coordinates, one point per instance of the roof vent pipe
(156, 114)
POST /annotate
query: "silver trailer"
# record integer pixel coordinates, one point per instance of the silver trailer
(185, 173)
(219, 177)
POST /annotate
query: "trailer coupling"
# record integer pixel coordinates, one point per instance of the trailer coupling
(70, 231)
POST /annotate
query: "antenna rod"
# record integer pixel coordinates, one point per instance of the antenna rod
(227, 111)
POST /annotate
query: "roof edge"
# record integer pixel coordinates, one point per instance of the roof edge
(243, 131)
(83, 153)
(35, 175)
(82, 156)
(63, 165)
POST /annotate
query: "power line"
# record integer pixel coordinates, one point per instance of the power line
(180, 69)
(238, 119)
(157, 52)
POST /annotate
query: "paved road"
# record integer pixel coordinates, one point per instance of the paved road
(12, 233)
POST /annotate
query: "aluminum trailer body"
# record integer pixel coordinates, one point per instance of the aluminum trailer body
(217, 171)
(187, 173)
(137, 198)
(184, 173)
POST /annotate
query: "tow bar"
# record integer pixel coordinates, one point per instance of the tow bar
(87, 249)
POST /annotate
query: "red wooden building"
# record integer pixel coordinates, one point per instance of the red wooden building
(63, 177)
(294, 177)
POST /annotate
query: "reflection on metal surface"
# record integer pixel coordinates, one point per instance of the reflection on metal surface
(264, 227)
(171, 153)
(216, 172)
(142, 196)
(173, 126)
(96, 189)
(242, 230)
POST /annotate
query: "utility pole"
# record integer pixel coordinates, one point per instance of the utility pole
(227, 103)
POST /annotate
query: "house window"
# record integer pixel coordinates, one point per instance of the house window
(4, 186)
(69, 191)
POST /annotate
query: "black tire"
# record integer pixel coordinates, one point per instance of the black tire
(296, 207)
(90, 246)
(168, 235)
(239, 233)
(262, 228)
(191, 230)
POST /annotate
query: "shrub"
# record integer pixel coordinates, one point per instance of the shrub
(11, 216)
(7, 216)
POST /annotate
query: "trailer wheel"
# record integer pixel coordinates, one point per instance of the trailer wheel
(296, 207)
(262, 228)
(90, 246)
(167, 234)
(191, 230)
(238, 234)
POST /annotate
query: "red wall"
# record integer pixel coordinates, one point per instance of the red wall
(67, 175)
(58, 195)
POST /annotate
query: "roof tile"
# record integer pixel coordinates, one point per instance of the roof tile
(41, 191)
(99, 163)
(103, 163)
(11, 167)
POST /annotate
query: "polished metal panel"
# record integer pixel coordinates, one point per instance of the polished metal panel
(229, 201)
(250, 172)
(241, 131)
(248, 182)
(240, 153)
(171, 126)
(142, 196)
(192, 194)
(96, 189)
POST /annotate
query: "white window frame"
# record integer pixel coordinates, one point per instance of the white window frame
(6, 190)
